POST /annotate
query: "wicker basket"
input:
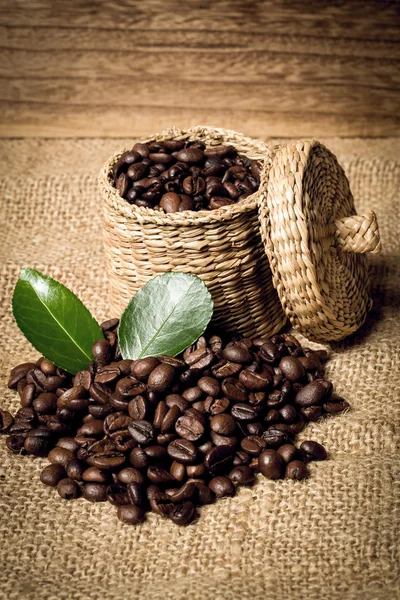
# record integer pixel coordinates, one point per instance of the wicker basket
(302, 218)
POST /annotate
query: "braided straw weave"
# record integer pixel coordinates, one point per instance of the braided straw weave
(315, 243)
(223, 246)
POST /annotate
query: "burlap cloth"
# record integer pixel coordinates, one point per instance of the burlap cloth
(334, 536)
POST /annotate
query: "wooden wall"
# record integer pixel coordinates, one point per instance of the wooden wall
(268, 68)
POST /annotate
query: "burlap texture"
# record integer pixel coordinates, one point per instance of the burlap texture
(334, 536)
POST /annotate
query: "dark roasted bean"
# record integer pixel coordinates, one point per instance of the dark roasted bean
(234, 390)
(161, 378)
(183, 451)
(52, 474)
(95, 492)
(189, 428)
(271, 464)
(6, 420)
(296, 469)
(221, 486)
(223, 424)
(336, 406)
(219, 459)
(243, 475)
(142, 432)
(130, 514)
(68, 489)
(292, 368)
(313, 450)
(253, 445)
(182, 513)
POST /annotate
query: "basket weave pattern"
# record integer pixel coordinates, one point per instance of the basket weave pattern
(223, 247)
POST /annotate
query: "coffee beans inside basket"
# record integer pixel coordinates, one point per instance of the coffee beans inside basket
(168, 434)
(174, 176)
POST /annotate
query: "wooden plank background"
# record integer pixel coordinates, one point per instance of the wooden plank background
(75, 68)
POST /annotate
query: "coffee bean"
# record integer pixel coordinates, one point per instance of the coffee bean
(292, 368)
(182, 513)
(313, 450)
(142, 368)
(178, 471)
(95, 492)
(60, 456)
(223, 424)
(159, 476)
(75, 468)
(176, 400)
(95, 475)
(288, 413)
(288, 452)
(274, 437)
(271, 464)
(183, 451)
(219, 459)
(130, 475)
(243, 412)
(253, 445)
(242, 475)
(237, 353)
(107, 461)
(189, 428)
(37, 442)
(130, 514)
(52, 474)
(156, 453)
(142, 432)
(138, 408)
(312, 413)
(255, 382)
(335, 407)
(138, 458)
(234, 390)
(221, 486)
(312, 393)
(160, 503)
(209, 385)
(216, 406)
(6, 420)
(170, 419)
(161, 378)
(296, 469)
(68, 489)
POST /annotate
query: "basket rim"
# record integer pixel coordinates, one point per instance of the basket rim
(261, 151)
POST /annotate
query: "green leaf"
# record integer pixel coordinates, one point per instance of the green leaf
(167, 315)
(54, 320)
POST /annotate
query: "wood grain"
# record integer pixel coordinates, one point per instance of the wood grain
(268, 68)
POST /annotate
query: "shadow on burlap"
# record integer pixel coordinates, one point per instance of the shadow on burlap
(334, 536)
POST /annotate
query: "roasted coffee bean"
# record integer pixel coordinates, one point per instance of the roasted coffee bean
(95, 475)
(255, 429)
(219, 459)
(161, 378)
(237, 353)
(182, 513)
(129, 387)
(156, 453)
(292, 368)
(95, 492)
(271, 464)
(74, 399)
(6, 420)
(138, 408)
(288, 413)
(312, 413)
(177, 400)
(253, 445)
(107, 461)
(234, 390)
(243, 412)
(75, 468)
(255, 382)
(160, 413)
(221, 486)
(335, 407)
(170, 419)
(313, 450)
(60, 456)
(183, 451)
(37, 442)
(52, 474)
(142, 368)
(288, 452)
(28, 394)
(216, 406)
(142, 432)
(189, 428)
(223, 440)
(159, 476)
(68, 489)
(192, 394)
(190, 155)
(243, 475)
(68, 443)
(138, 458)
(209, 385)
(19, 372)
(274, 437)
(178, 471)
(223, 424)
(15, 443)
(130, 514)
(296, 469)
(312, 393)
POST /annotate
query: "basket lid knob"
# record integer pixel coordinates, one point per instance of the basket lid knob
(315, 241)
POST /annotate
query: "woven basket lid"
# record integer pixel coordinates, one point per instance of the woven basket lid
(316, 243)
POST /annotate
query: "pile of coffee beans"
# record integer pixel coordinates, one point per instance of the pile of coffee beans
(173, 176)
(167, 434)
